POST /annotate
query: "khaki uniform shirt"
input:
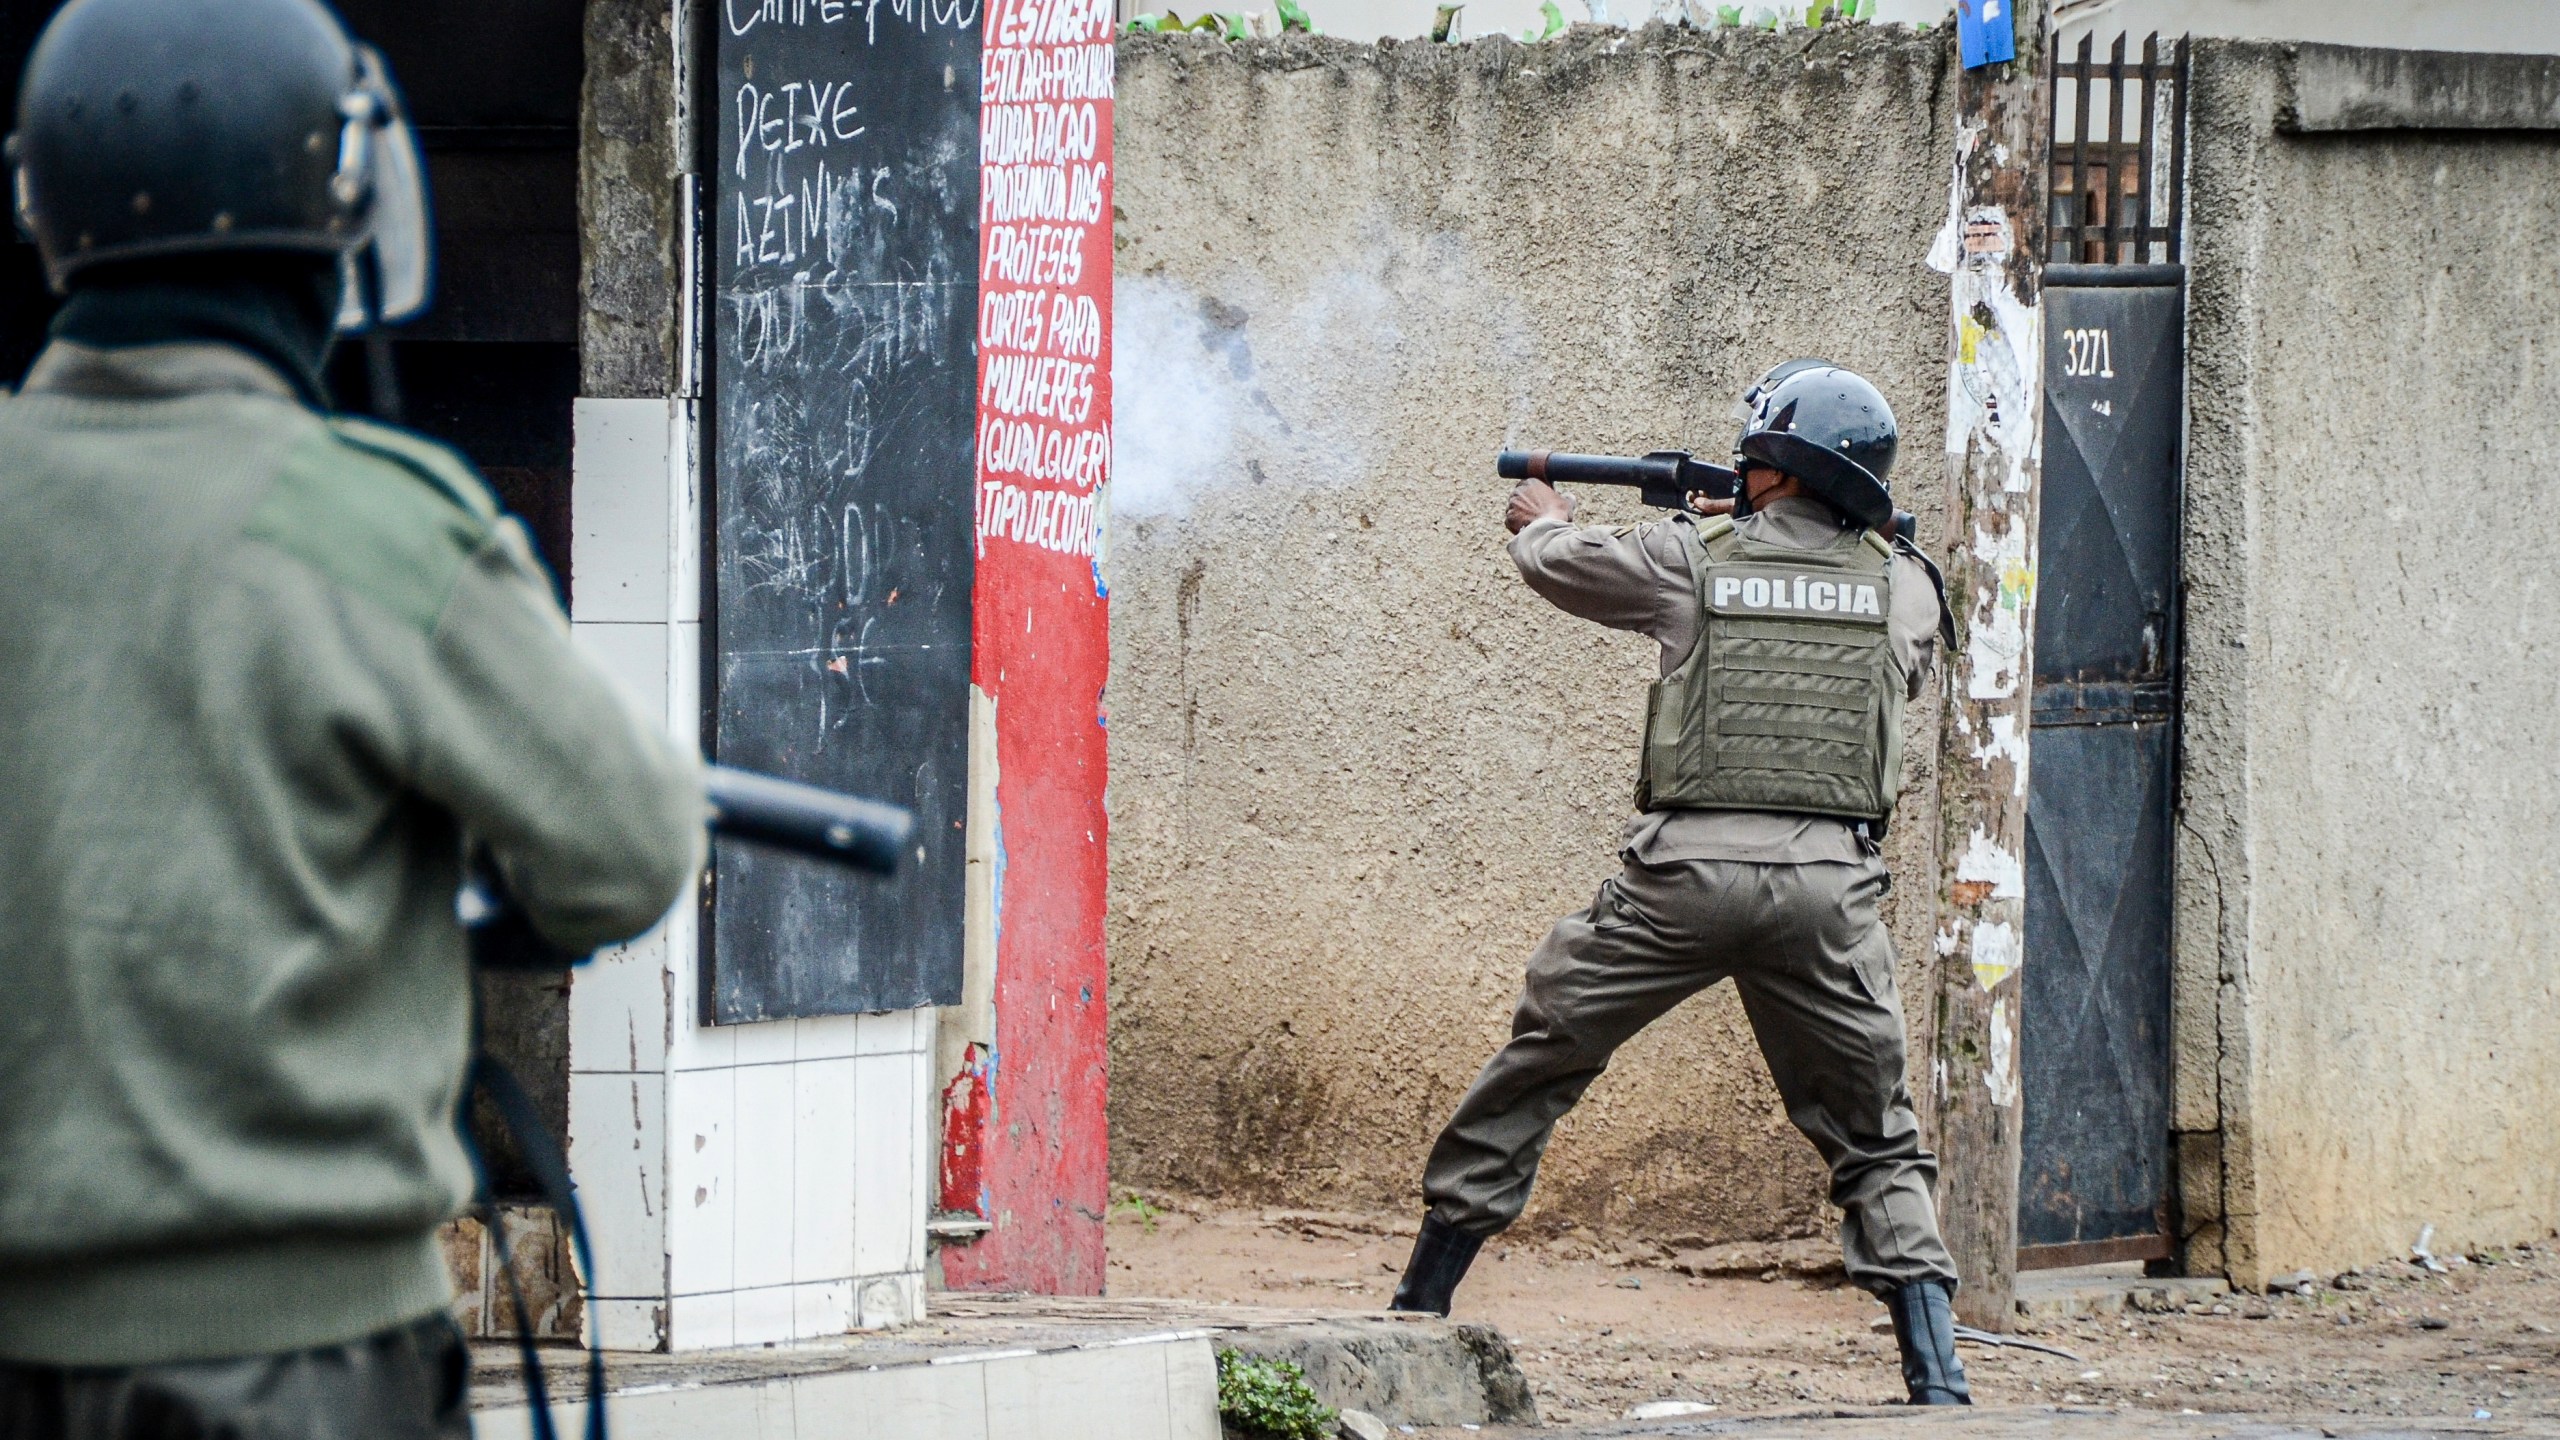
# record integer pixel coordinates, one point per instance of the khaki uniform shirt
(1638, 578)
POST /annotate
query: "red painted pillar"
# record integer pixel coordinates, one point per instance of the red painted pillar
(1024, 1137)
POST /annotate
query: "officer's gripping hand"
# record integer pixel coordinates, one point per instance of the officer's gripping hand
(1536, 500)
(1702, 503)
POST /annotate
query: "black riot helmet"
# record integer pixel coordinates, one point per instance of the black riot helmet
(1827, 427)
(155, 128)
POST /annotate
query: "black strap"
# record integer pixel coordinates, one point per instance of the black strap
(1904, 545)
(551, 1171)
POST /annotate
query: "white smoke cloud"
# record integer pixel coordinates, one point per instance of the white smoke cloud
(1211, 390)
(1173, 400)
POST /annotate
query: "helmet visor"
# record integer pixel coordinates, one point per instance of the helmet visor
(392, 271)
(403, 253)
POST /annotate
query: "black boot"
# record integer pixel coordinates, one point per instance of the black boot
(1924, 1326)
(1441, 1255)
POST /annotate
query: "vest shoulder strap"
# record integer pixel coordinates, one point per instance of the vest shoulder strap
(1712, 540)
(1937, 579)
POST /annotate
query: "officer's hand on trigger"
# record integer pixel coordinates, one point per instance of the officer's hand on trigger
(1535, 500)
(1700, 502)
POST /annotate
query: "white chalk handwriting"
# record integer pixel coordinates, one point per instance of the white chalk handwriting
(794, 115)
(925, 16)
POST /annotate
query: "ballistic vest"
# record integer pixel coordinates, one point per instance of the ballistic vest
(1791, 700)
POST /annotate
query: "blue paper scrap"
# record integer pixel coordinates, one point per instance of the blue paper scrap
(1986, 32)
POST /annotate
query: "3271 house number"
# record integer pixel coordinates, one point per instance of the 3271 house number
(2089, 352)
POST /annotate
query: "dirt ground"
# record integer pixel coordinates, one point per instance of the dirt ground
(1601, 1327)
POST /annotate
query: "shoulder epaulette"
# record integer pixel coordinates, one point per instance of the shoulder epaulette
(383, 514)
(1716, 527)
(438, 465)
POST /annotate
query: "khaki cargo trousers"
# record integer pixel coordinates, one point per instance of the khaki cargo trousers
(1804, 946)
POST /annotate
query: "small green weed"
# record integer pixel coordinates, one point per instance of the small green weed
(1269, 1400)
(1135, 1205)
(1550, 24)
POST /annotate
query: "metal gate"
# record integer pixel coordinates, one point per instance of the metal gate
(2097, 1181)
(2095, 1033)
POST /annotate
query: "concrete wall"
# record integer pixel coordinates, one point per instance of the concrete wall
(2442, 24)
(1357, 768)
(2369, 931)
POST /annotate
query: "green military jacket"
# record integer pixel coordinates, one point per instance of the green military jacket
(265, 671)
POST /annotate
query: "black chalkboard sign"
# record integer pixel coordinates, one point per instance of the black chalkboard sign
(842, 381)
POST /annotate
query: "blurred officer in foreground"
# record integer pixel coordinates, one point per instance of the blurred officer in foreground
(1792, 634)
(268, 673)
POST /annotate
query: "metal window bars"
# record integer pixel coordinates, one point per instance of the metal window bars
(2119, 201)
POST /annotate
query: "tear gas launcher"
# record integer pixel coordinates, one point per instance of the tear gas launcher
(805, 820)
(767, 810)
(1665, 478)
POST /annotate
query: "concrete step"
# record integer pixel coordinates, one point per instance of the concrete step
(1023, 1368)
(1404, 1369)
(928, 1382)
(2040, 1422)
(2103, 1290)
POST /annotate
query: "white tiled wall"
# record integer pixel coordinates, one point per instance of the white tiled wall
(743, 1184)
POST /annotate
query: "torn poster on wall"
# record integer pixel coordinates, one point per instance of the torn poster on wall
(1995, 422)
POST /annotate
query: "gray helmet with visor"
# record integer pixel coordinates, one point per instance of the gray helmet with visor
(1829, 428)
(152, 128)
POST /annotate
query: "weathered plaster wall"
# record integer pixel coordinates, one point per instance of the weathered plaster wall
(632, 139)
(1357, 768)
(2369, 929)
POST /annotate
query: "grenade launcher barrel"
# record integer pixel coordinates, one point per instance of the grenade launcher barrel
(819, 824)
(1665, 478)
(767, 810)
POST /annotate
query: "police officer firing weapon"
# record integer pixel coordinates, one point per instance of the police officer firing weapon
(271, 674)
(1793, 631)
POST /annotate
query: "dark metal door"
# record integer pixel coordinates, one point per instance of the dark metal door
(2095, 1036)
